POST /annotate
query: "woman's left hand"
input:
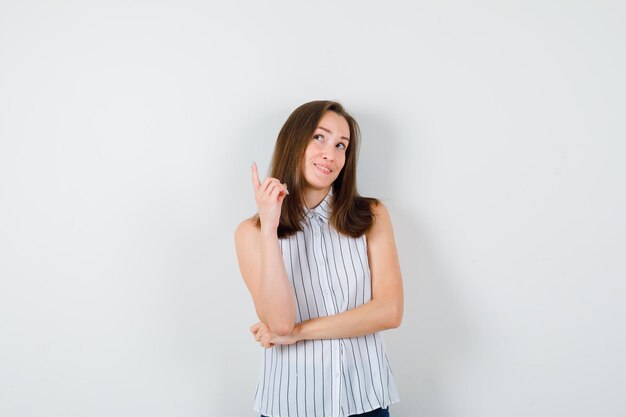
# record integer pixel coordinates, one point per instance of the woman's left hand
(267, 339)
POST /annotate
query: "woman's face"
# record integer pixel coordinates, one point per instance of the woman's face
(325, 155)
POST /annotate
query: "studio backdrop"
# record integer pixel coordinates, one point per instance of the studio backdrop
(493, 132)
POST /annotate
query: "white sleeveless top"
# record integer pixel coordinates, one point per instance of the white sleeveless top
(333, 377)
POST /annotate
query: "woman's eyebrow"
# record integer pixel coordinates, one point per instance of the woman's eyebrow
(327, 130)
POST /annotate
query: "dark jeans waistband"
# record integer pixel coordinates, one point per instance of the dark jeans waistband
(379, 412)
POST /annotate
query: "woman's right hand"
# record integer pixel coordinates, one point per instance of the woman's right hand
(269, 196)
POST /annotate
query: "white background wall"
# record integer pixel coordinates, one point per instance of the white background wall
(493, 131)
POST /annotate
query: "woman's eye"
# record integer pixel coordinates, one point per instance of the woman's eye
(318, 137)
(341, 146)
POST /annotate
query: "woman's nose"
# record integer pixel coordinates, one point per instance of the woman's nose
(327, 153)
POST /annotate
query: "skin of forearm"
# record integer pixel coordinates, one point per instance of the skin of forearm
(374, 316)
(277, 307)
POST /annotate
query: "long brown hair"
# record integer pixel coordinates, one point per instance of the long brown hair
(351, 213)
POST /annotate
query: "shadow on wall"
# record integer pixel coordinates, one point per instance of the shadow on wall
(376, 156)
(433, 342)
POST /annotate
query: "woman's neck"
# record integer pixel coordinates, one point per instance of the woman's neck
(312, 197)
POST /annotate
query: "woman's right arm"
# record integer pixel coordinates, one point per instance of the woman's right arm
(261, 262)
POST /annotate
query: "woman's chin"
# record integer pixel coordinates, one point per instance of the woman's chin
(319, 181)
(319, 186)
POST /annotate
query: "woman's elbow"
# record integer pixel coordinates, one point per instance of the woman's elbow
(397, 321)
(284, 328)
(281, 324)
(395, 317)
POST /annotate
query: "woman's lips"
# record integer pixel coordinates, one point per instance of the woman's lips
(323, 168)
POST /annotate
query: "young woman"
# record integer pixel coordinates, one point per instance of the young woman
(321, 265)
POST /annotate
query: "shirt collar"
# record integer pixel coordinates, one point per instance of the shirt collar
(324, 209)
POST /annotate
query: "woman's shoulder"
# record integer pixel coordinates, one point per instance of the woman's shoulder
(247, 229)
(380, 217)
(377, 207)
(372, 205)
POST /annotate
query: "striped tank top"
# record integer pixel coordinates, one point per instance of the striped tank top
(334, 377)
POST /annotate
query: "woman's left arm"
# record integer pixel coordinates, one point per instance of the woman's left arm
(385, 309)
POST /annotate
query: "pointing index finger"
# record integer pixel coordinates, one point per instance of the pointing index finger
(256, 182)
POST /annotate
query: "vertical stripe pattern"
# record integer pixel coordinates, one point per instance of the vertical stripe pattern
(321, 378)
